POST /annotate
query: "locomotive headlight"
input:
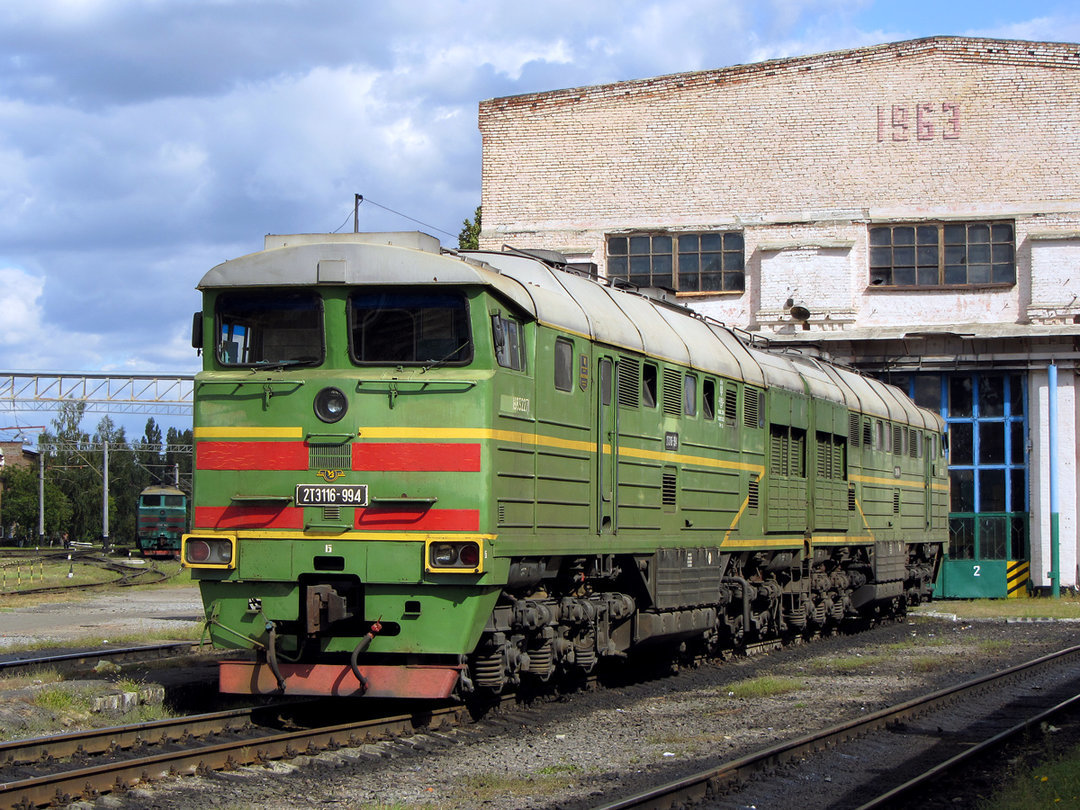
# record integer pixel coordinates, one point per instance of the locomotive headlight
(330, 404)
(453, 557)
(443, 555)
(217, 551)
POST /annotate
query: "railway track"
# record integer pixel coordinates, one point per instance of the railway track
(81, 660)
(126, 574)
(81, 765)
(943, 747)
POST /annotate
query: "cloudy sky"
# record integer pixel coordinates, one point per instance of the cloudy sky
(144, 141)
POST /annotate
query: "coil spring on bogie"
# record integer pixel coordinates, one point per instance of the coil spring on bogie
(542, 661)
(837, 611)
(488, 671)
(795, 617)
(585, 652)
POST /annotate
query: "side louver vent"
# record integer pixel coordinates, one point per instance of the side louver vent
(752, 496)
(670, 489)
(629, 382)
(751, 408)
(672, 392)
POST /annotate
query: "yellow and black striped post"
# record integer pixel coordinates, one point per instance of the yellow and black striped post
(1017, 573)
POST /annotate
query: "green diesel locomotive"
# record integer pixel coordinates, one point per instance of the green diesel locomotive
(422, 473)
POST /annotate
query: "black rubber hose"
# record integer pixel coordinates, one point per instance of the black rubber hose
(364, 643)
(271, 656)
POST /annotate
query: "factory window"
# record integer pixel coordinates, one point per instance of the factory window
(685, 262)
(988, 462)
(942, 254)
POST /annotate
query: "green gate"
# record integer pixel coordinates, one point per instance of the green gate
(988, 556)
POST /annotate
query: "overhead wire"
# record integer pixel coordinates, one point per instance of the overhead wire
(363, 199)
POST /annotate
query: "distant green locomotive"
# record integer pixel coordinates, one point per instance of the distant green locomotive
(422, 473)
(161, 521)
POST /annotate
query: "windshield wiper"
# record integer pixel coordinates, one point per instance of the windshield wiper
(437, 363)
(260, 365)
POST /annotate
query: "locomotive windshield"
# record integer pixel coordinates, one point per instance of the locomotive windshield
(409, 327)
(269, 329)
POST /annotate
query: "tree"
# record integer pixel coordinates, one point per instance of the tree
(148, 455)
(19, 508)
(469, 238)
(73, 465)
(126, 480)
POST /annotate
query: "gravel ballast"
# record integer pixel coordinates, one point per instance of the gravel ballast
(585, 748)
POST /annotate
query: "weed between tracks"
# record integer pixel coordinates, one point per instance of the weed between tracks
(765, 686)
(1054, 783)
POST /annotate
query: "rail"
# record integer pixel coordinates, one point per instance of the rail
(713, 782)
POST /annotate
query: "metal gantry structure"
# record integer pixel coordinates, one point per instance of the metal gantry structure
(102, 393)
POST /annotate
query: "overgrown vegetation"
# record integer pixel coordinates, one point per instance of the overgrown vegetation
(1054, 783)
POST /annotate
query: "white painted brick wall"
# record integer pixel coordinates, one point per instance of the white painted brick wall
(807, 149)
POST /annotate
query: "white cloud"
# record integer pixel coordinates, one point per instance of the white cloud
(144, 141)
(20, 312)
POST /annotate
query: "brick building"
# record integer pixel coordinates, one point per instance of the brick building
(912, 209)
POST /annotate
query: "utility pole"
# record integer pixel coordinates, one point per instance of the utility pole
(41, 498)
(105, 499)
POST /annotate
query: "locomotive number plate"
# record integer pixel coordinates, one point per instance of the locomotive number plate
(331, 495)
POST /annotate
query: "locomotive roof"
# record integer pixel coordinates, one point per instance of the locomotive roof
(162, 489)
(566, 301)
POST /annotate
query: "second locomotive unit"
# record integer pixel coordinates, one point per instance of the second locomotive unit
(421, 473)
(161, 521)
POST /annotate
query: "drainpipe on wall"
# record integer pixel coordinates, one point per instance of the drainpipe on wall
(1055, 561)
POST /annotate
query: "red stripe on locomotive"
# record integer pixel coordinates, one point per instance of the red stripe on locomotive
(417, 457)
(251, 456)
(373, 457)
(249, 517)
(426, 520)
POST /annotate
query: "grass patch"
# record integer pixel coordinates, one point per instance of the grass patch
(501, 788)
(1041, 607)
(1053, 784)
(847, 663)
(765, 686)
(924, 663)
(562, 768)
(916, 643)
(31, 678)
(63, 701)
(995, 645)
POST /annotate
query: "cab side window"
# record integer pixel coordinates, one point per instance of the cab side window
(509, 339)
(564, 365)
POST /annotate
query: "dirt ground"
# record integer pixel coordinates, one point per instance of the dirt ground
(102, 617)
